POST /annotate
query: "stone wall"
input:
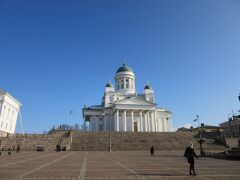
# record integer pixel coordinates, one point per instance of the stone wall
(30, 143)
(99, 141)
(232, 142)
(136, 141)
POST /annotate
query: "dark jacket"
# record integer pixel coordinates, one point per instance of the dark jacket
(152, 150)
(189, 154)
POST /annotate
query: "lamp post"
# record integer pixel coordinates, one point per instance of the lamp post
(239, 100)
(229, 123)
(110, 136)
(70, 117)
(201, 139)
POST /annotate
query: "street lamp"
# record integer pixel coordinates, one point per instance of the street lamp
(109, 131)
(239, 100)
(70, 117)
(201, 139)
(229, 123)
(110, 136)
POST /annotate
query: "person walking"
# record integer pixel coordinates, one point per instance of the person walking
(152, 151)
(190, 154)
(18, 149)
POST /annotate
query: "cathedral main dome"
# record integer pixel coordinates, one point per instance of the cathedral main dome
(124, 68)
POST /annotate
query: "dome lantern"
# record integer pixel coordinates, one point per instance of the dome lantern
(124, 68)
(125, 80)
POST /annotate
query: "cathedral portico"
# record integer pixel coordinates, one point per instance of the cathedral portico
(123, 110)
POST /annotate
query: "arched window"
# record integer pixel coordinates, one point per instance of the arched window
(122, 84)
(118, 85)
(127, 83)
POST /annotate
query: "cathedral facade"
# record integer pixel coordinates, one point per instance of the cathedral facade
(9, 109)
(124, 110)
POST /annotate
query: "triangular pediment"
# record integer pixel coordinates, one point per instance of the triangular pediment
(135, 101)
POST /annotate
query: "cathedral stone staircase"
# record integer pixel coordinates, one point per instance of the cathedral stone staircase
(31, 142)
(99, 141)
(136, 141)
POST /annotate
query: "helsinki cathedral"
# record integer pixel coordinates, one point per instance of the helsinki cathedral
(124, 110)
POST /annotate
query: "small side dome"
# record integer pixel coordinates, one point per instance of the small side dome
(109, 85)
(147, 87)
(124, 68)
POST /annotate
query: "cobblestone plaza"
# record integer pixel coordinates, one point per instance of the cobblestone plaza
(114, 165)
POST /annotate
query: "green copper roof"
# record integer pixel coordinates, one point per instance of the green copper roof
(124, 68)
(109, 85)
(147, 87)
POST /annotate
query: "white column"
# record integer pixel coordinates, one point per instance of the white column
(105, 123)
(130, 83)
(152, 121)
(148, 122)
(171, 125)
(155, 121)
(124, 83)
(124, 121)
(145, 122)
(141, 121)
(159, 124)
(117, 122)
(164, 127)
(84, 125)
(96, 125)
(133, 84)
(162, 124)
(90, 125)
(166, 124)
(132, 121)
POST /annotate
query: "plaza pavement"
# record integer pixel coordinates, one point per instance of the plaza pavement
(115, 165)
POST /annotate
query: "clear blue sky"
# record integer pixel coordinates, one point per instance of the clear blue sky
(56, 56)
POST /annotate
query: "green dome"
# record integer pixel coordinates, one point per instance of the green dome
(147, 87)
(124, 68)
(109, 85)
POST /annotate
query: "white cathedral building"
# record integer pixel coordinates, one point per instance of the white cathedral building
(9, 109)
(124, 110)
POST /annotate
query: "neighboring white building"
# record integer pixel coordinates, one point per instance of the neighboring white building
(9, 108)
(124, 110)
(232, 126)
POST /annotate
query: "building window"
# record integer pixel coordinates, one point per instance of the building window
(122, 84)
(8, 114)
(118, 85)
(111, 99)
(4, 111)
(12, 115)
(100, 124)
(127, 83)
